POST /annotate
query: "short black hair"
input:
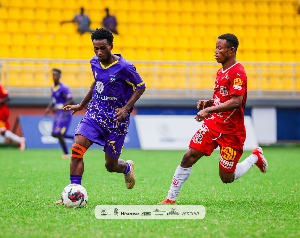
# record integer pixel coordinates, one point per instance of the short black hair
(57, 70)
(232, 40)
(102, 34)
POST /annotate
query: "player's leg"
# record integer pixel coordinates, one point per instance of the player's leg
(201, 144)
(257, 158)
(113, 149)
(63, 145)
(4, 126)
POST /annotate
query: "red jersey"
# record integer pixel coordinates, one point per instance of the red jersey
(232, 81)
(3, 94)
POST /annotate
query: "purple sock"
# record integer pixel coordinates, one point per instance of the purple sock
(127, 168)
(76, 179)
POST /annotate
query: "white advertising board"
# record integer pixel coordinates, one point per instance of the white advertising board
(175, 132)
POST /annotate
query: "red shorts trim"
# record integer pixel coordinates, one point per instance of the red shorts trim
(207, 140)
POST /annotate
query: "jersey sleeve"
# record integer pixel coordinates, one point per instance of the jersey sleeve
(3, 92)
(134, 77)
(68, 93)
(238, 83)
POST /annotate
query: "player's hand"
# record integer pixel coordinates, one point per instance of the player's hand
(201, 104)
(121, 113)
(201, 115)
(74, 108)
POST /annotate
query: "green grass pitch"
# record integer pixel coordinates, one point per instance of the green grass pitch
(256, 205)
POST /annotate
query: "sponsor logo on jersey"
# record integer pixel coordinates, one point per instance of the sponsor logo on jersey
(199, 134)
(99, 86)
(238, 81)
(228, 153)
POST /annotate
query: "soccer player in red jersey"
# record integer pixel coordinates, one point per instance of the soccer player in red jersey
(4, 125)
(223, 124)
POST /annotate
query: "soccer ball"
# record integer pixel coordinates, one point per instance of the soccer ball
(74, 195)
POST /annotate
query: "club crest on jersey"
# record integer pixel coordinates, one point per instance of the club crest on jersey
(223, 91)
(112, 78)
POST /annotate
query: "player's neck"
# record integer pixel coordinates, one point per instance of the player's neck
(110, 60)
(229, 63)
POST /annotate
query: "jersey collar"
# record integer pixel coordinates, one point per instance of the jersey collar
(223, 71)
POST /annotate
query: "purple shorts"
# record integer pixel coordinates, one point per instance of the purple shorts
(61, 122)
(111, 139)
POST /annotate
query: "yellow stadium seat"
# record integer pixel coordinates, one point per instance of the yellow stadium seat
(195, 42)
(142, 41)
(212, 6)
(13, 26)
(54, 27)
(183, 43)
(261, 43)
(40, 27)
(288, 56)
(186, 30)
(249, 55)
(238, 7)
(33, 39)
(276, 31)
(148, 17)
(188, 6)
(212, 31)
(199, 18)
(3, 13)
(288, 20)
(199, 30)
(136, 5)
(129, 53)
(225, 6)
(263, 19)
(289, 32)
(226, 19)
(26, 26)
(74, 40)
(4, 51)
(18, 39)
(250, 31)
(69, 28)
(247, 43)
(2, 26)
(275, 7)
(122, 16)
(171, 30)
(73, 52)
(212, 18)
(161, 17)
(46, 52)
(59, 52)
(208, 54)
(250, 7)
(263, 7)
(28, 14)
(239, 31)
(43, 4)
(174, 6)
(169, 42)
(72, 4)
(209, 43)
(238, 18)
(183, 55)
(263, 31)
(156, 41)
(251, 19)
(147, 29)
(134, 16)
(275, 56)
(17, 51)
(200, 6)
(14, 13)
(142, 54)
(133, 29)
(275, 19)
(60, 40)
(155, 54)
(30, 3)
(287, 44)
(42, 14)
(31, 52)
(187, 18)
(289, 7)
(196, 55)
(174, 17)
(47, 40)
(87, 52)
(262, 55)
(57, 4)
(274, 44)
(169, 54)
(55, 14)
(124, 5)
(85, 40)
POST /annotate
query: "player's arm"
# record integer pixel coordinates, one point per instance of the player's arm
(5, 99)
(121, 113)
(49, 107)
(233, 103)
(201, 104)
(85, 100)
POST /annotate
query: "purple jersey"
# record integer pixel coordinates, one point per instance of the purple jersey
(60, 94)
(114, 86)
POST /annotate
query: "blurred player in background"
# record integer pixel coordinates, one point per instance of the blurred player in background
(116, 88)
(83, 22)
(110, 22)
(4, 114)
(223, 124)
(61, 96)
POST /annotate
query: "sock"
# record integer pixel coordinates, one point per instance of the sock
(76, 179)
(127, 170)
(243, 167)
(69, 136)
(180, 176)
(12, 136)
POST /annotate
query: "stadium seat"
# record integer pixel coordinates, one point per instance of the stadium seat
(238, 7)
(225, 6)
(28, 14)
(13, 26)
(33, 39)
(42, 14)
(14, 13)
(147, 17)
(142, 54)
(40, 27)
(18, 39)
(263, 7)
(47, 40)
(251, 7)
(161, 17)
(3, 13)
(275, 7)
(188, 6)
(288, 20)
(170, 29)
(4, 51)
(2, 26)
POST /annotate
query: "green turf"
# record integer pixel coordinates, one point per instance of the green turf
(256, 205)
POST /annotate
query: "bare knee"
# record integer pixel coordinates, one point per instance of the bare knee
(226, 180)
(190, 158)
(226, 177)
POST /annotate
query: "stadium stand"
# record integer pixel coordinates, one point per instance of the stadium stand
(156, 30)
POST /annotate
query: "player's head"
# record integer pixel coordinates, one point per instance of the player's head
(56, 74)
(103, 43)
(226, 47)
(81, 10)
(107, 11)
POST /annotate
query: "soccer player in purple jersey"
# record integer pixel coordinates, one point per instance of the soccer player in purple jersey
(116, 88)
(61, 96)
